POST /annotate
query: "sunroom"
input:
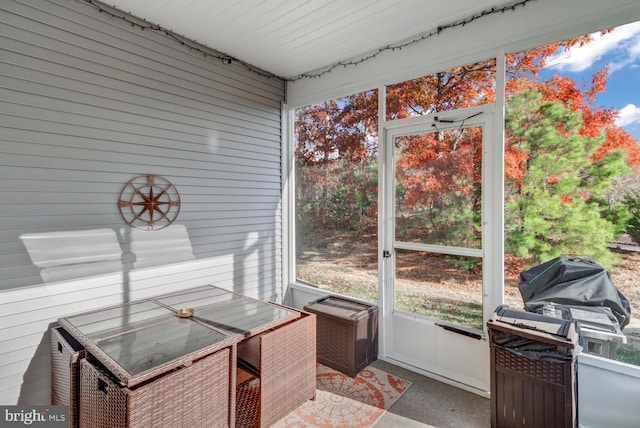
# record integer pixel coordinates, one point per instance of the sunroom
(199, 109)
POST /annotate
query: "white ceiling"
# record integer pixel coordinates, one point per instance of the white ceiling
(291, 37)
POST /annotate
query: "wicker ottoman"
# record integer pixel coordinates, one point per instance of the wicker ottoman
(347, 333)
(195, 396)
(66, 354)
(277, 372)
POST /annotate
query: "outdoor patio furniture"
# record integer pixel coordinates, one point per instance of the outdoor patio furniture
(282, 366)
(347, 333)
(144, 364)
(66, 354)
(171, 360)
(276, 356)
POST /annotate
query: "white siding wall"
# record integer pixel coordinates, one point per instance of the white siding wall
(87, 102)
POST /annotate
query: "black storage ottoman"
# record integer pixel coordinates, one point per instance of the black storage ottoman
(346, 333)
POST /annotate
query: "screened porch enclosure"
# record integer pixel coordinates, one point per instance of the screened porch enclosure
(94, 97)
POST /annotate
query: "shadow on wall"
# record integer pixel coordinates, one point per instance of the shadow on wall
(69, 255)
(131, 261)
(72, 255)
(165, 246)
(39, 367)
(77, 254)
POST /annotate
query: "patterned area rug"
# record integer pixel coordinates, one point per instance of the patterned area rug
(342, 401)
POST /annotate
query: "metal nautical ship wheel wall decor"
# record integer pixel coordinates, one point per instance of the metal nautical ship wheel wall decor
(149, 202)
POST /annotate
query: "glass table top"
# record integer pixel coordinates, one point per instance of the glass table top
(244, 316)
(142, 335)
(197, 297)
(140, 350)
(228, 311)
(119, 319)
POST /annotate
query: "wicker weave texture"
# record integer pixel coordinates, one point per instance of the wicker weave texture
(194, 396)
(532, 393)
(247, 400)
(287, 377)
(347, 338)
(65, 372)
(546, 371)
(335, 340)
(249, 351)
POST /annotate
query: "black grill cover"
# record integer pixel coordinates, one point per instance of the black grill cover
(572, 282)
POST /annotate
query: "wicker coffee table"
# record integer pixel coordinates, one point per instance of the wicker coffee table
(172, 360)
(145, 366)
(276, 356)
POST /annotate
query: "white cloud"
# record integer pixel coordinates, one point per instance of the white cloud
(624, 41)
(628, 115)
(632, 54)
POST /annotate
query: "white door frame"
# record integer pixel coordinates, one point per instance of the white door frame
(424, 356)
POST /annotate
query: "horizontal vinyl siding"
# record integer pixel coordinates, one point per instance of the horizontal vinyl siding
(87, 103)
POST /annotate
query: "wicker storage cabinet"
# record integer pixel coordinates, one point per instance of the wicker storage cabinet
(66, 354)
(347, 333)
(193, 396)
(533, 370)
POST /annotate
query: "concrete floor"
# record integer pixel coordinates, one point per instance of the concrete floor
(430, 403)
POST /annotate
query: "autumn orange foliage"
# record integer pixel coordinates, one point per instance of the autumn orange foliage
(523, 71)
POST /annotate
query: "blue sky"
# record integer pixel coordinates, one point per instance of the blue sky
(620, 51)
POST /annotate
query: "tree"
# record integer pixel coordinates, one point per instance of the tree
(459, 87)
(551, 210)
(632, 201)
(345, 129)
(438, 186)
(335, 148)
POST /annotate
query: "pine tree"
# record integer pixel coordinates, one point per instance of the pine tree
(632, 202)
(552, 209)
